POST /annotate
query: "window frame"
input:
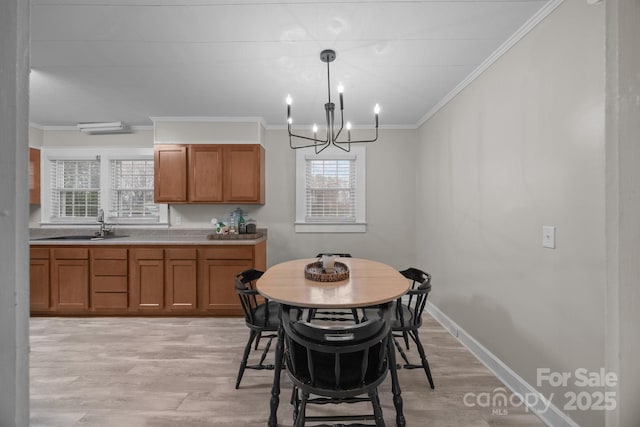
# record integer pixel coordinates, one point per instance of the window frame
(301, 225)
(106, 154)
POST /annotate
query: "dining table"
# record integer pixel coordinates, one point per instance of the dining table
(369, 283)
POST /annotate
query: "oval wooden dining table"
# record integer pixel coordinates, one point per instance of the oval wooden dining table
(369, 283)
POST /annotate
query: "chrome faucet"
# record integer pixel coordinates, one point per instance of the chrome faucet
(104, 228)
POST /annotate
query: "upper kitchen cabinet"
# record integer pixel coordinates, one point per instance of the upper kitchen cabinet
(170, 173)
(209, 173)
(34, 176)
(205, 173)
(244, 173)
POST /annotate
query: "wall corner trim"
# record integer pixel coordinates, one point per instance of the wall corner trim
(502, 49)
(553, 417)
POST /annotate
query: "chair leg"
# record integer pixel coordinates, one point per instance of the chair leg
(300, 419)
(423, 357)
(377, 409)
(401, 351)
(257, 340)
(405, 335)
(265, 351)
(245, 356)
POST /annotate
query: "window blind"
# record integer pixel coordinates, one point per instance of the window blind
(75, 189)
(132, 190)
(330, 190)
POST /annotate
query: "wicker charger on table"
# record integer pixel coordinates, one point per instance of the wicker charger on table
(315, 272)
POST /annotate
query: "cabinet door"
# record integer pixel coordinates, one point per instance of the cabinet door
(39, 285)
(70, 284)
(146, 279)
(205, 173)
(180, 279)
(244, 173)
(218, 290)
(170, 173)
(34, 176)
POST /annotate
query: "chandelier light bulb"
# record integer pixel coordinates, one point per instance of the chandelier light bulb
(315, 128)
(340, 88)
(289, 120)
(288, 99)
(348, 125)
(376, 109)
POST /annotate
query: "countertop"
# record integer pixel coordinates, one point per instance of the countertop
(38, 237)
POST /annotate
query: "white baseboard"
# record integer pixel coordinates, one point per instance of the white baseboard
(552, 417)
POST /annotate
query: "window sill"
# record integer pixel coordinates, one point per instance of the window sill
(352, 227)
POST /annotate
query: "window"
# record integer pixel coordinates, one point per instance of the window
(117, 180)
(132, 189)
(75, 189)
(330, 190)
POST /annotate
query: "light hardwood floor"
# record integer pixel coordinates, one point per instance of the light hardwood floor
(152, 372)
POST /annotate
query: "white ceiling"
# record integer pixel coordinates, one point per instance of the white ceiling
(111, 60)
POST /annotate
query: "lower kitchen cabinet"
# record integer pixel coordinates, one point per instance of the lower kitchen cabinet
(195, 280)
(70, 279)
(40, 295)
(109, 289)
(218, 268)
(218, 291)
(146, 280)
(180, 279)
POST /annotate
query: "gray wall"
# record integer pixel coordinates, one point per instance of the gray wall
(523, 147)
(623, 207)
(14, 273)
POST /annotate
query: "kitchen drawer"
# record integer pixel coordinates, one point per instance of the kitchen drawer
(227, 252)
(148, 253)
(109, 253)
(39, 253)
(109, 267)
(109, 283)
(70, 253)
(180, 253)
(102, 300)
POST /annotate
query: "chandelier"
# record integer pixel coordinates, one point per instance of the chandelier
(331, 136)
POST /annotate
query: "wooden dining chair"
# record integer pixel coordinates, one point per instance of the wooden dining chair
(406, 318)
(335, 364)
(260, 318)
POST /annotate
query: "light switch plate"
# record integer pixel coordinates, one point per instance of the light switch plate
(549, 236)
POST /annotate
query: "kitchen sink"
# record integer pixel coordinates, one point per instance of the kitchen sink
(80, 237)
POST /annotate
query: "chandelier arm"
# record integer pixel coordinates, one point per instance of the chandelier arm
(358, 142)
(316, 142)
(336, 144)
(322, 149)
